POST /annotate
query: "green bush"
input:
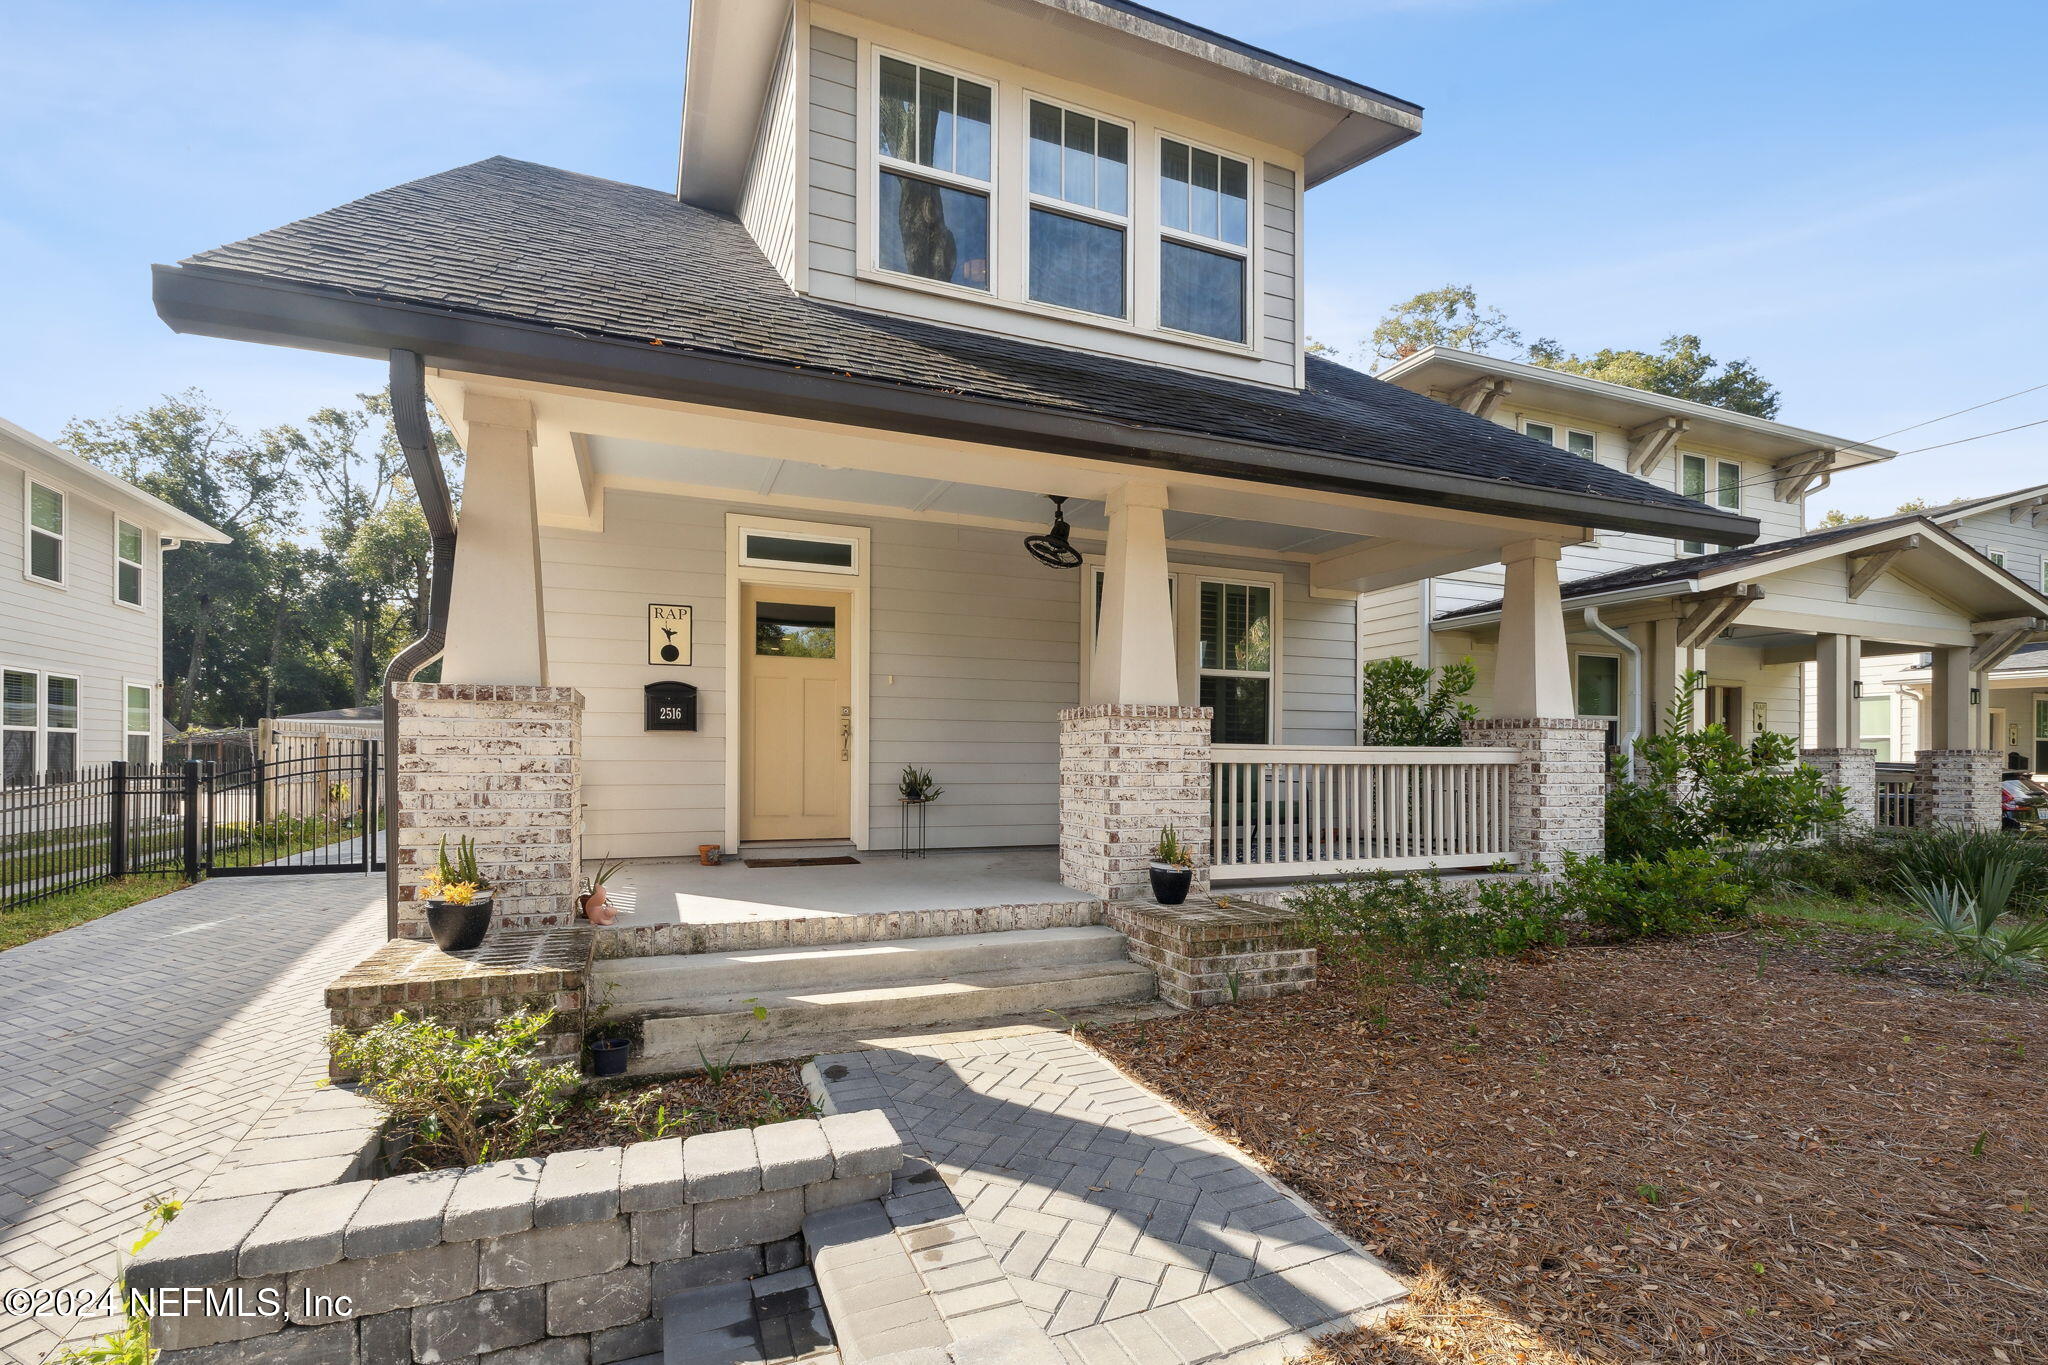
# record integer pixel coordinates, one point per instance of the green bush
(1405, 703)
(1432, 931)
(1964, 915)
(1683, 892)
(1869, 865)
(1696, 789)
(482, 1096)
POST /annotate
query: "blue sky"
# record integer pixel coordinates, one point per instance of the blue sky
(1853, 195)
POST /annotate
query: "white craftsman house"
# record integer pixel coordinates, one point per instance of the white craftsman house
(1792, 632)
(953, 415)
(81, 611)
(1894, 716)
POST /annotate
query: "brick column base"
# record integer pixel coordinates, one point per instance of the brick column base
(1958, 787)
(1855, 772)
(1126, 772)
(1557, 797)
(499, 765)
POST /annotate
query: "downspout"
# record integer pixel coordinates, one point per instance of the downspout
(1633, 726)
(1426, 653)
(430, 485)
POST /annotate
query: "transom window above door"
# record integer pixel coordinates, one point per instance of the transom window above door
(935, 136)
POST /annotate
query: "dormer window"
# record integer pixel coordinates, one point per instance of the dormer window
(1080, 210)
(1205, 231)
(935, 139)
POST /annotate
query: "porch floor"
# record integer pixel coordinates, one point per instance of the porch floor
(653, 892)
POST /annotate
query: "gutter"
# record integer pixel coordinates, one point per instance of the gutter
(430, 484)
(1591, 601)
(239, 307)
(1620, 640)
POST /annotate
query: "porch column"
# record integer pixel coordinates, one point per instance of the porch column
(1133, 660)
(1532, 676)
(1838, 662)
(1957, 783)
(1665, 664)
(496, 631)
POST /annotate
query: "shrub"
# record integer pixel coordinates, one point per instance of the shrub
(1965, 918)
(1869, 864)
(1405, 703)
(1970, 856)
(1696, 789)
(1427, 928)
(1683, 892)
(482, 1096)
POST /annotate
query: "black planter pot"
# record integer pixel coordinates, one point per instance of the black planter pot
(1170, 883)
(608, 1056)
(458, 928)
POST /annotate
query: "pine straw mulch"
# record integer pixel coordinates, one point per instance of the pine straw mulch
(1667, 1151)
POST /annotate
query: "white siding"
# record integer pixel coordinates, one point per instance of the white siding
(834, 119)
(79, 630)
(1390, 623)
(768, 204)
(1279, 308)
(2025, 544)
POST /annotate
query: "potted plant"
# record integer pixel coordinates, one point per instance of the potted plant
(597, 906)
(1173, 868)
(916, 787)
(609, 1040)
(458, 899)
(915, 791)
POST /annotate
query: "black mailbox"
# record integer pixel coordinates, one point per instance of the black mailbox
(671, 706)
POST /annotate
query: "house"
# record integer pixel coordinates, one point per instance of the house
(1790, 631)
(81, 624)
(2011, 531)
(953, 414)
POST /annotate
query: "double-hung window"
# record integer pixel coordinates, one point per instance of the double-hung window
(1599, 691)
(46, 519)
(127, 563)
(1080, 210)
(1235, 660)
(1204, 241)
(1874, 725)
(1717, 483)
(38, 725)
(140, 722)
(60, 726)
(935, 143)
(1581, 443)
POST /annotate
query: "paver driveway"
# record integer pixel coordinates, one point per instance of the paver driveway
(136, 1050)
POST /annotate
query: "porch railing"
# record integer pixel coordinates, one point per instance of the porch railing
(1298, 810)
(1896, 796)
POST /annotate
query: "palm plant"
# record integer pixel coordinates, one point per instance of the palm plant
(1964, 909)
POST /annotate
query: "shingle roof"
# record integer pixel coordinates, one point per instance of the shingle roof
(512, 240)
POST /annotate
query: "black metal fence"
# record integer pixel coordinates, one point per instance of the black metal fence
(313, 813)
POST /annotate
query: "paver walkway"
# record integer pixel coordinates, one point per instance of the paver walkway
(137, 1050)
(1130, 1235)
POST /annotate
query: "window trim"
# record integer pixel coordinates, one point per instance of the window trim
(41, 729)
(1996, 554)
(1186, 592)
(1620, 681)
(34, 728)
(29, 532)
(876, 164)
(141, 602)
(1710, 491)
(149, 690)
(1551, 427)
(851, 569)
(1248, 253)
(1593, 436)
(1891, 723)
(1127, 222)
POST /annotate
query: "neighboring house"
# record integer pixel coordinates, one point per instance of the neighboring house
(81, 623)
(2011, 530)
(1789, 631)
(750, 468)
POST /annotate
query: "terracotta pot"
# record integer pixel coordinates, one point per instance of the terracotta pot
(458, 928)
(707, 854)
(598, 908)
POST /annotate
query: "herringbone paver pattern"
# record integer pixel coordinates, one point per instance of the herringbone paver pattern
(1128, 1233)
(137, 1050)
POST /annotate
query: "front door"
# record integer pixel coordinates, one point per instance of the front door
(796, 714)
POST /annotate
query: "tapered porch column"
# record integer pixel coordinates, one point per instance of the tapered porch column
(1133, 761)
(1665, 664)
(496, 631)
(1838, 661)
(1532, 678)
(1957, 783)
(1133, 660)
(1557, 787)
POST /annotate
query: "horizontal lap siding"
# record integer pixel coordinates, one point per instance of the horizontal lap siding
(1279, 307)
(2025, 545)
(768, 205)
(831, 165)
(1319, 659)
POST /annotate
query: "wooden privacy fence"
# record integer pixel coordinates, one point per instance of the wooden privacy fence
(1285, 810)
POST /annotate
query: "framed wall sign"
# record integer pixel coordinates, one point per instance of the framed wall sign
(668, 635)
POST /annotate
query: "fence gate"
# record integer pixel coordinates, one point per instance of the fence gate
(312, 804)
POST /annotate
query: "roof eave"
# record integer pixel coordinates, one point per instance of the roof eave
(238, 306)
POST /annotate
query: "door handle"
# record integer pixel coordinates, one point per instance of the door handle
(845, 734)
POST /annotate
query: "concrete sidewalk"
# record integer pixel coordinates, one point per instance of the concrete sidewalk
(136, 1051)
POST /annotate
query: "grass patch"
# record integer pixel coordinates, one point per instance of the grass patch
(1856, 916)
(66, 910)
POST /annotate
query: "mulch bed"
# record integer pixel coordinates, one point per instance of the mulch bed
(745, 1098)
(1667, 1151)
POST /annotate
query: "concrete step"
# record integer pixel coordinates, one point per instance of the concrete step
(655, 985)
(772, 1024)
(765, 1321)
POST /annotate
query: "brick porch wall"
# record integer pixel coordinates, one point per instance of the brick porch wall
(1855, 772)
(1557, 795)
(1959, 787)
(500, 765)
(1126, 771)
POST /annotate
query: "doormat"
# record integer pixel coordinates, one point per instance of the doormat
(799, 862)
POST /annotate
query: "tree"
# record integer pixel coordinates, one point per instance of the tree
(1836, 517)
(1405, 703)
(1451, 316)
(1680, 368)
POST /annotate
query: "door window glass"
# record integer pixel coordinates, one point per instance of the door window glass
(795, 630)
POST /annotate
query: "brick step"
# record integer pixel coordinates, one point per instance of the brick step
(622, 941)
(791, 1023)
(649, 985)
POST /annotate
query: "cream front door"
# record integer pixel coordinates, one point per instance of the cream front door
(796, 714)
